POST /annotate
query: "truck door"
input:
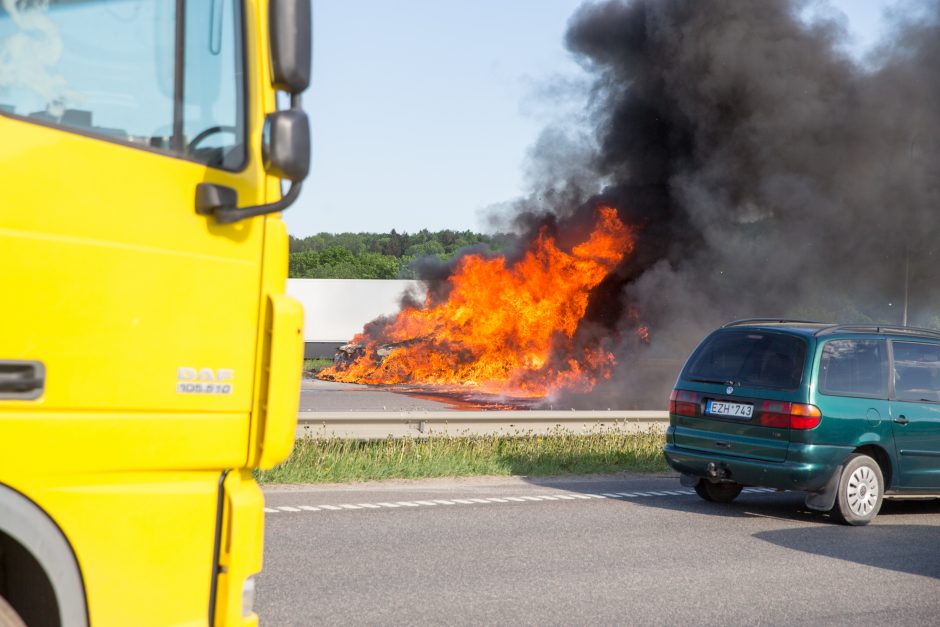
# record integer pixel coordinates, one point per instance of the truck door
(111, 112)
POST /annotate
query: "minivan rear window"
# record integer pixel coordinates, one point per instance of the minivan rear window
(749, 358)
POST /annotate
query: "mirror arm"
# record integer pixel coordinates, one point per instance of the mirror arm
(221, 201)
(228, 215)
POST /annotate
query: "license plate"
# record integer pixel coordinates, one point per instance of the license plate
(729, 410)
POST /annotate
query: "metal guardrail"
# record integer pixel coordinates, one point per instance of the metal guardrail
(379, 424)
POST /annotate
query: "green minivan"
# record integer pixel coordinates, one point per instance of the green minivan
(849, 414)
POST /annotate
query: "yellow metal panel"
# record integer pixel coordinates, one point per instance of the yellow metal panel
(242, 542)
(113, 281)
(143, 541)
(281, 364)
(281, 400)
(59, 443)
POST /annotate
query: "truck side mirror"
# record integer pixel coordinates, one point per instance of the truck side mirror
(290, 33)
(285, 145)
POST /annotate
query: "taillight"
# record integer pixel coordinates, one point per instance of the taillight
(781, 415)
(683, 403)
(774, 414)
(804, 416)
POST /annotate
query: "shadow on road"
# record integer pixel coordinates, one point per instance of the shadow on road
(911, 549)
(780, 505)
(887, 543)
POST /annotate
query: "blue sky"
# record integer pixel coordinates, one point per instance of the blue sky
(423, 111)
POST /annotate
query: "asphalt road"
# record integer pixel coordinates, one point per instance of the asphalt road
(575, 552)
(316, 395)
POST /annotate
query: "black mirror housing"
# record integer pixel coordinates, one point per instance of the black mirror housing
(291, 35)
(285, 144)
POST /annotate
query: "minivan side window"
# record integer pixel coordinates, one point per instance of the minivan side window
(854, 368)
(917, 372)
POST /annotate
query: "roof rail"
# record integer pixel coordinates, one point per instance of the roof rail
(745, 321)
(879, 328)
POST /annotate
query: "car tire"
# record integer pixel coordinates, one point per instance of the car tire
(724, 492)
(861, 491)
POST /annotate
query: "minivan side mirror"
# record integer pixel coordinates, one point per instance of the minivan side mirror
(290, 32)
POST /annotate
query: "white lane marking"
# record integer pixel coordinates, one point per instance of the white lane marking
(502, 499)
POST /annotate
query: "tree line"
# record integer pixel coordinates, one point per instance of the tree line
(378, 255)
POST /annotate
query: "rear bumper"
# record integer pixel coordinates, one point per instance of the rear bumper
(808, 466)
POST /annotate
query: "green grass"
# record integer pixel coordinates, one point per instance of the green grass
(316, 365)
(333, 460)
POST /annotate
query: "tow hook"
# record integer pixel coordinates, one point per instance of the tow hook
(715, 472)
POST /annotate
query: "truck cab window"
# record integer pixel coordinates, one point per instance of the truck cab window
(107, 68)
(213, 95)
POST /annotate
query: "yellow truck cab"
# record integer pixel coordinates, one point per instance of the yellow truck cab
(149, 358)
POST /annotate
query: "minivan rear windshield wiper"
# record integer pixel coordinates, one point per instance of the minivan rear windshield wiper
(717, 381)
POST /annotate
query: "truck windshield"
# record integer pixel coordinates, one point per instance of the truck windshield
(114, 69)
(749, 358)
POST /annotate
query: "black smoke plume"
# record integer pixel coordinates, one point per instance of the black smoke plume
(770, 174)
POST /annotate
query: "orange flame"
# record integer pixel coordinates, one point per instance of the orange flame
(501, 328)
